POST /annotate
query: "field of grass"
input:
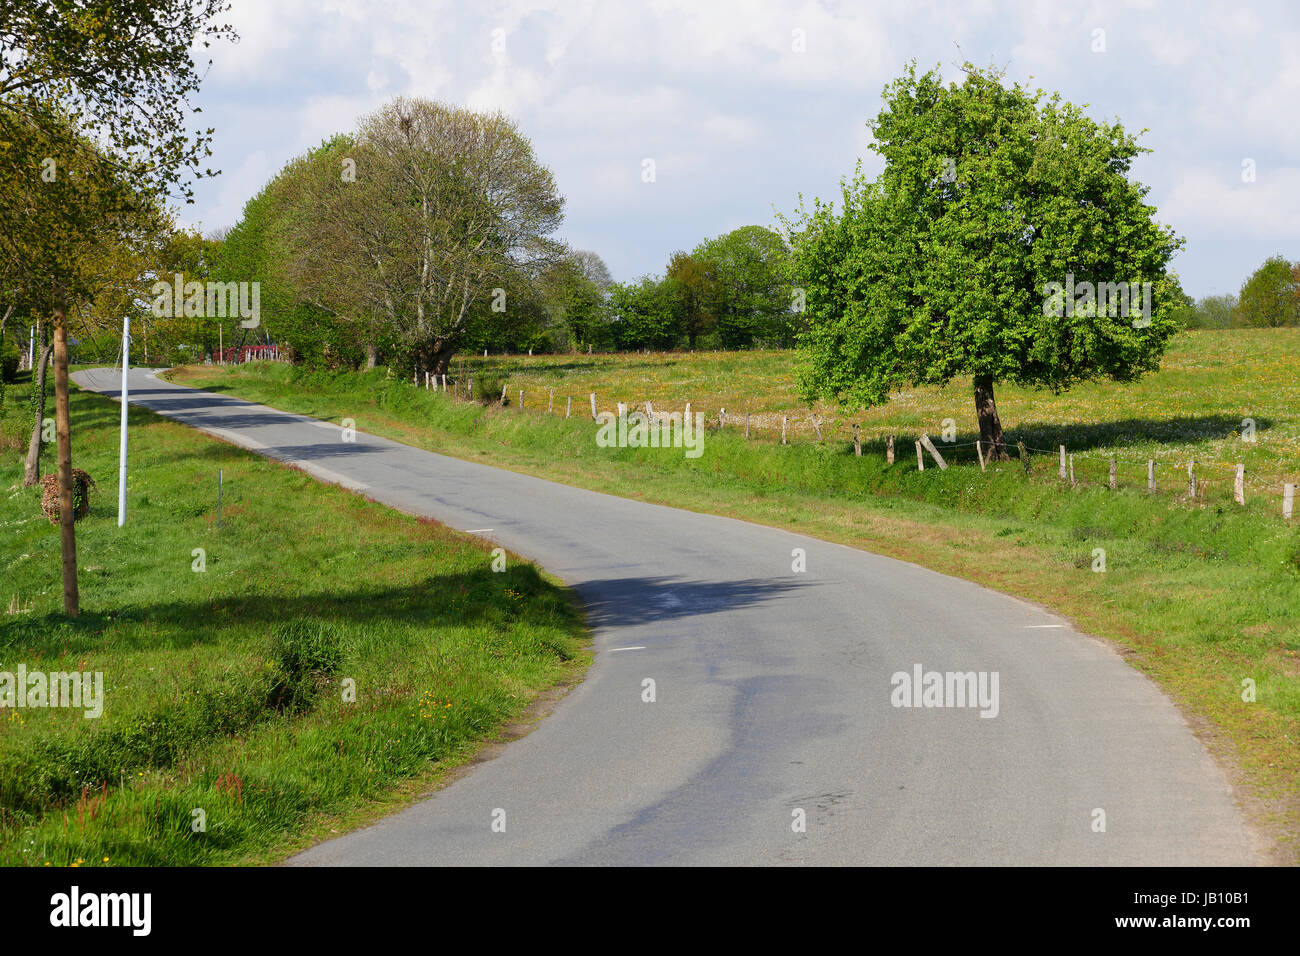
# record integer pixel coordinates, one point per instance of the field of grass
(1193, 408)
(227, 734)
(1200, 596)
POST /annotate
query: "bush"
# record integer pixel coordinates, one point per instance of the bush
(304, 655)
(487, 388)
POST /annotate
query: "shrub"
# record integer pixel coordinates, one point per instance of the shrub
(304, 655)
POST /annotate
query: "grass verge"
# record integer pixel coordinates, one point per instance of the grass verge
(317, 658)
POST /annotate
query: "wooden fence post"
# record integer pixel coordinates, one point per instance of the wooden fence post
(857, 442)
(593, 406)
(746, 426)
(817, 427)
(550, 401)
(444, 381)
(504, 386)
(686, 415)
(979, 450)
(889, 450)
(934, 452)
(568, 407)
(920, 458)
(1151, 474)
(1112, 474)
(471, 387)
(784, 419)
(1288, 500)
(722, 417)
(1239, 485)
(1062, 462)
(521, 399)
(1191, 478)
(1071, 457)
(622, 410)
(1024, 455)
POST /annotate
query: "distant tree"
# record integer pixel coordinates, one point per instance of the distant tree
(1271, 296)
(591, 266)
(574, 290)
(693, 290)
(1214, 312)
(942, 266)
(752, 267)
(445, 209)
(642, 316)
(261, 247)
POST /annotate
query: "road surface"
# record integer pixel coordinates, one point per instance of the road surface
(775, 700)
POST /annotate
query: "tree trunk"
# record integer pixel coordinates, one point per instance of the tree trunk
(986, 409)
(372, 356)
(32, 468)
(63, 432)
(435, 356)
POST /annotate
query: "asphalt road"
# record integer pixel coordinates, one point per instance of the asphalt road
(774, 694)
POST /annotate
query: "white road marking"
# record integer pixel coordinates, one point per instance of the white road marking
(479, 530)
(1044, 625)
(639, 647)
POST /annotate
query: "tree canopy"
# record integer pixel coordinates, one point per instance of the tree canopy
(1004, 240)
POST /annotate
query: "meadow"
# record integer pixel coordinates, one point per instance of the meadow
(1212, 383)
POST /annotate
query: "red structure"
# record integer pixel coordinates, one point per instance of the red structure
(255, 353)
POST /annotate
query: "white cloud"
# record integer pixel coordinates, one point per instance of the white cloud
(738, 121)
(1219, 204)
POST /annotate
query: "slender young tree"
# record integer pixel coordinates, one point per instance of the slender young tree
(94, 107)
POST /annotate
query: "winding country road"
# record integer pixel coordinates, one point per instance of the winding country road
(772, 695)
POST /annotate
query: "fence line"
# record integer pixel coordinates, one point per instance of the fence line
(1196, 483)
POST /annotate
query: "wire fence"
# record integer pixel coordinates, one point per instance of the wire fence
(1190, 479)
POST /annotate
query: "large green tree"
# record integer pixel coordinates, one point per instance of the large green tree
(981, 249)
(436, 214)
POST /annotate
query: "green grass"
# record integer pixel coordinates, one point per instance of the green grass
(1192, 408)
(1198, 595)
(224, 689)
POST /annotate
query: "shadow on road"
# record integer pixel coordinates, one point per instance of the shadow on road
(623, 602)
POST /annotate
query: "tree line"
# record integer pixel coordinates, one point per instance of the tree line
(429, 231)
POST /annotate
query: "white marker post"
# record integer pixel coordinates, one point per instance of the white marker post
(121, 474)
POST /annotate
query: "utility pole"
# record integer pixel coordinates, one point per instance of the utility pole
(121, 474)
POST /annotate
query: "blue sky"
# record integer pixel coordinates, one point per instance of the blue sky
(739, 120)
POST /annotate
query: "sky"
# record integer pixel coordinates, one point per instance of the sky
(745, 105)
